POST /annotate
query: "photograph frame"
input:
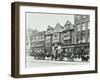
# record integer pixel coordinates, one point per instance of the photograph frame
(15, 39)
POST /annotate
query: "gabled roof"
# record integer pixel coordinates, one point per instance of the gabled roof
(49, 30)
(68, 25)
(36, 32)
(58, 28)
(58, 25)
(49, 27)
(42, 32)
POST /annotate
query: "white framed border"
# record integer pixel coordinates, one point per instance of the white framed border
(90, 66)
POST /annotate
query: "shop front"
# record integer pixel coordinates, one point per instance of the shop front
(82, 51)
(38, 52)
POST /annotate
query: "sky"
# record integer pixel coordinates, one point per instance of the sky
(40, 21)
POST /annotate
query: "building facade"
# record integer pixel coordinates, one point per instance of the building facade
(82, 25)
(70, 38)
(38, 42)
(48, 39)
(82, 34)
(57, 38)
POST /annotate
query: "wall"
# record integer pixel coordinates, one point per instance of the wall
(5, 40)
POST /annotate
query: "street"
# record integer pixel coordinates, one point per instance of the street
(31, 62)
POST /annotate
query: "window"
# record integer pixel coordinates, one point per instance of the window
(88, 24)
(66, 35)
(78, 27)
(83, 33)
(79, 37)
(78, 17)
(56, 36)
(67, 42)
(83, 36)
(88, 37)
(83, 26)
(42, 36)
(36, 37)
(84, 17)
(47, 38)
(78, 40)
(83, 39)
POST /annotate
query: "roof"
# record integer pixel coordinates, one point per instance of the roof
(58, 28)
(49, 27)
(68, 25)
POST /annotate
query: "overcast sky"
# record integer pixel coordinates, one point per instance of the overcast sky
(40, 21)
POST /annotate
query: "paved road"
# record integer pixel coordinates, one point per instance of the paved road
(31, 62)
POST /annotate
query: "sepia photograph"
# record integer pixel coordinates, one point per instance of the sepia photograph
(57, 39)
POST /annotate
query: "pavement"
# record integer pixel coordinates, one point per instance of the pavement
(31, 62)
